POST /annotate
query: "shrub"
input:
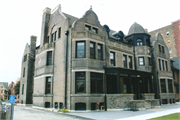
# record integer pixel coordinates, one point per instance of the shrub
(63, 110)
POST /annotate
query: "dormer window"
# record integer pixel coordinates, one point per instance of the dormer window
(139, 42)
(94, 30)
(87, 27)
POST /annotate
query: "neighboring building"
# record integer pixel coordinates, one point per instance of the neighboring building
(171, 36)
(176, 73)
(4, 90)
(80, 63)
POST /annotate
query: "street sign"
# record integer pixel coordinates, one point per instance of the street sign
(6, 108)
(12, 99)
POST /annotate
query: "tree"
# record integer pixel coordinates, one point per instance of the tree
(17, 87)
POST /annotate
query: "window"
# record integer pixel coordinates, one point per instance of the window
(92, 50)
(80, 82)
(159, 48)
(159, 64)
(80, 106)
(60, 105)
(141, 60)
(25, 58)
(177, 88)
(96, 83)
(162, 49)
(49, 58)
(56, 105)
(139, 42)
(112, 58)
(168, 41)
(163, 64)
(94, 30)
(149, 61)
(59, 32)
(170, 51)
(2, 91)
(167, 33)
(100, 54)
(130, 62)
(170, 86)
(163, 86)
(24, 72)
(166, 65)
(47, 104)
(22, 89)
(80, 49)
(48, 85)
(87, 27)
(55, 36)
(125, 61)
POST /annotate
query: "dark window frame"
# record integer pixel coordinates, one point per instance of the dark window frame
(141, 61)
(49, 58)
(48, 83)
(163, 87)
(95, 30)
(162, 49)
(80, 79)
(163, 65)
(130, 62)
(166, 65)
(100, 52)
(22, 89)
(84, 56)
(24, 72)
(150, 61)
(159, 46)
(170, 86)
(160, 67)
(125, 61)
(139, 42)
(92, 50)
(59, 32)
(87, 27)
(113, 61)
(97, 81)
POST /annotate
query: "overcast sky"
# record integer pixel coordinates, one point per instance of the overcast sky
(19, 19)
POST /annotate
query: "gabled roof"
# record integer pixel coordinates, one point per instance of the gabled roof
(176, 63)
(5, 85)
(71, 17)
(136, 28)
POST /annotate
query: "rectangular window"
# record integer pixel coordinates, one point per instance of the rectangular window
(55, 36)
(159, 64)
(130, 62)
(112, 58)
(48, 85)
(80, 82)
(80, 49)
(49, 58)
(24, 70)
(25, 58)
(52, 37)
(125, 61)
(166, 65)
(159, 48)
(94, 30)
(96, 82)
(100, 53)
(163, 86)
(59, 32)
(162, 49)
(92, 50)
(141, 61)
(163, 64)
(170, 86)
(149, 61)
(170, 51)
(22, 89)
(87, 27)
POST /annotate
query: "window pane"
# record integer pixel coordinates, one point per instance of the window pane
(112, 58)
(139, 42)
(49, 58)
(170, 86)
(80, 85)
(159, 64)
(92, 50)
(80, 82)
(141, 61)
(48, 85)
(87, 27)
(100, 52)
(130, 62)
(96, 82)
(163, 86)
(125, 61)
(80, 49)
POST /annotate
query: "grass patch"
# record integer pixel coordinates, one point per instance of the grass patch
(175, 116)
(63, 110)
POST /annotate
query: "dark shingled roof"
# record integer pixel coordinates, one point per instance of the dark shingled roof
(5, 85)
(71, 17)
(136, 28)
(176, 62)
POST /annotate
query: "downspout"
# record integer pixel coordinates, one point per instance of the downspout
(65, 91)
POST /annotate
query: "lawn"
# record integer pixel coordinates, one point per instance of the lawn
(175, 116)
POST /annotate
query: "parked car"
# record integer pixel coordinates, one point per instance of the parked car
(16, 100)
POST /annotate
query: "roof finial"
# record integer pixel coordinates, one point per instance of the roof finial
(91, 7)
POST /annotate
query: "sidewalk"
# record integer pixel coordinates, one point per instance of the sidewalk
(130, 115)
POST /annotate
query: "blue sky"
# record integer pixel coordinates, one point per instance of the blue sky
(19, 19)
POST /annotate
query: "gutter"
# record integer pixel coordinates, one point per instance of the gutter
(65, 91)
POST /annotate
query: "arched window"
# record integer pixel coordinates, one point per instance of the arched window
(139, 42)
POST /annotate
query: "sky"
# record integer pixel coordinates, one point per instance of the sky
(19, 19)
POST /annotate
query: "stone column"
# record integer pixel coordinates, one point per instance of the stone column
(73, 83)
